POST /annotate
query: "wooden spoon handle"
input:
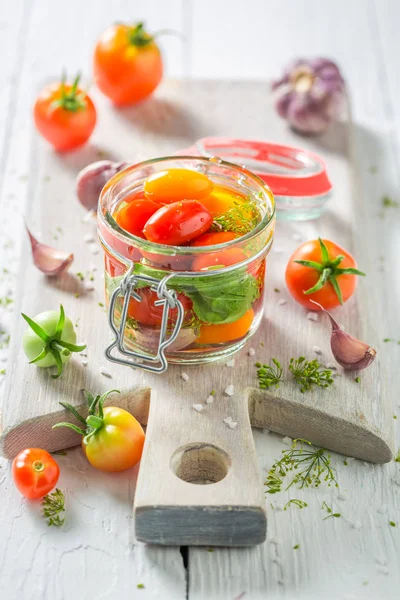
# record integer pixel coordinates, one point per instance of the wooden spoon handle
(199, 481)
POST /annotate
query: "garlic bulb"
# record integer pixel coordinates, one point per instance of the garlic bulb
(349, 352)
(310, 94)
(92, 179)
(47, 259)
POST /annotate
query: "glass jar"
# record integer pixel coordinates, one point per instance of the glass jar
(163, 308)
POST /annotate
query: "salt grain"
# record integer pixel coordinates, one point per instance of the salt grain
(198, 407)
(331, 365)
(287, 440)
(89, 287)
(382, 509)
(94, 250)
(88, 238)
(317, 350)
(312, 316)
(88, 216)
(104, 372)
(229, 391)
(342, 496)
(84, 363)
(356, 525)
(185, 376)
(251, 352)
(210, 399)
(230, 422)
(282, 302)
(231, 363)
(383, 570)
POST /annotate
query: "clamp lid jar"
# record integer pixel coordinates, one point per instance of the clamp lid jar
(164, 305)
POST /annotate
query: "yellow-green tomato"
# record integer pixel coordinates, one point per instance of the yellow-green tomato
(33, 345)
(117, 443)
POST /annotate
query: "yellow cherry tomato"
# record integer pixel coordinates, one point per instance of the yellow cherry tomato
(226, 332)
(221, 200)
(172, 185)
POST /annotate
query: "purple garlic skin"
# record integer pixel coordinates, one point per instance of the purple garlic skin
(350, 353)
(310, 95)
(91, 180)
(49, 260)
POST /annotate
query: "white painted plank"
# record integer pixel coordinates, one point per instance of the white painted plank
(96, 550)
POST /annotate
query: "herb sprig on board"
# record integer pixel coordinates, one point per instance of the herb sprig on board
(53, 504)
(309, 372)
(310, 466)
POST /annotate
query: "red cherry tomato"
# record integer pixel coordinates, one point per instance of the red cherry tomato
(146, 313)
(300, 278)
(178, 223)
(127, 64)
(133, 216)
(214, 238)
(35, 472)
(65, 115)
(224, 258)
(177, 184)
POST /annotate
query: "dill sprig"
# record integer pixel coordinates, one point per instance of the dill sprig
(53, 504)
(269, 375)
(309, 372)
(241, 218)
(330, 512)
(309, 465)
(296, 502)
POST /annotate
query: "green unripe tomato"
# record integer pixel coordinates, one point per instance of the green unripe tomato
(33, 345)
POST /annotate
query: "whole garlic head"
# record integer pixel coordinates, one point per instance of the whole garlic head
(310, 94)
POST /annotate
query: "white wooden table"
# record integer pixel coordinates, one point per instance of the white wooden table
(356, 556)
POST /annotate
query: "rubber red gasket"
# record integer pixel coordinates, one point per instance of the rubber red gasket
(309, 175)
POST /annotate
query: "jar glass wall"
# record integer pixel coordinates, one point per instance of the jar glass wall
(159, 291)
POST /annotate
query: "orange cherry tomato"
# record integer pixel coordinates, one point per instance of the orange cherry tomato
(221, 200)
(127, 64)
(133, 216)
(177, 223)
(147, 313)
(224, 258)
(300, 278)
(226, 332)
(64, 115)
(35, 472)
(214, 238)
(177, 184)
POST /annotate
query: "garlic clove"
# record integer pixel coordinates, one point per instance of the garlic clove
(47, 259)
(91, 180)
(349, 352)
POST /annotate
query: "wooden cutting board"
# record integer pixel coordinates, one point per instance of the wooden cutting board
(185, 448)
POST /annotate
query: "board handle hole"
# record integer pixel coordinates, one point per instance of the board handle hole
(200, 463)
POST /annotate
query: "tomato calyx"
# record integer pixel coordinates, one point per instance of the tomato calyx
(329, 270)
(95, 419)
(73, 100)
(139, 37)
(38, 466)
(53, 343)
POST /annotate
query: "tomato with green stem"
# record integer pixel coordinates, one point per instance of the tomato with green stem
(35, 473)
(50, 339)
(112, 438)
(65, 115)
(127, 63)
(322, 271)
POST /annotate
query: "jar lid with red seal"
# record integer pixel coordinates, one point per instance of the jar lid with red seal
(298, 178)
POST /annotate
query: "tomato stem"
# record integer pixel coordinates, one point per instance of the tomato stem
(73, 100)
(38, 466)
(329, 271)
(138, 36)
